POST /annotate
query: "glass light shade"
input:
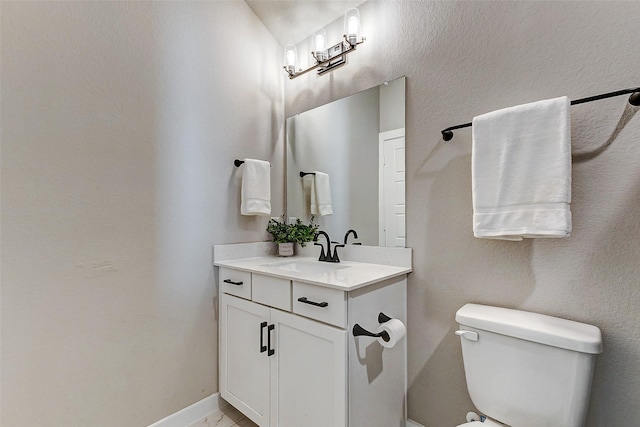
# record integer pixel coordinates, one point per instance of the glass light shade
(320, 44)
(352, 25)
(291, 58)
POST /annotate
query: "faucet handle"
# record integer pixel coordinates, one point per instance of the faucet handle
(323, 257)
(335, 257)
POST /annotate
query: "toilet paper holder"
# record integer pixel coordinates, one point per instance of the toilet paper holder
(360, 331)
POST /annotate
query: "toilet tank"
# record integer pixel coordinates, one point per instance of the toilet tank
(526, 369)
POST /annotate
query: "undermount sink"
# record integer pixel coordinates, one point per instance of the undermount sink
(307, 267)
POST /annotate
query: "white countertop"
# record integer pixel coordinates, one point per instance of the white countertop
(346, 275)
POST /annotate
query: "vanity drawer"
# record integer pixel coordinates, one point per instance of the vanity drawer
(271, 291)
(235, 282)
(323, 304)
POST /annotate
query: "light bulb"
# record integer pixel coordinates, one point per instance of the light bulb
(352, 25)
(320, 43)
(291, 58)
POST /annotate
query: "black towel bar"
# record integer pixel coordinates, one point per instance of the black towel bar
(634, 99)
(237, 163)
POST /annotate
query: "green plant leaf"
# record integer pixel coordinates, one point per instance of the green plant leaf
(297, 232)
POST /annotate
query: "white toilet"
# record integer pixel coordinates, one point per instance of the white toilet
(526, 369)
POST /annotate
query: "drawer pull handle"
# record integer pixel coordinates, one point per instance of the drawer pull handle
(322, 304)
(231, 282)
(263, 347)
(271, 351)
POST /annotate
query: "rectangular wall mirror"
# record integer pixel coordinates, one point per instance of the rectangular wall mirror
(359, 143)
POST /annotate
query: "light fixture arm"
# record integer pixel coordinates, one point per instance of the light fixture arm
(353, 45)
(330, 62)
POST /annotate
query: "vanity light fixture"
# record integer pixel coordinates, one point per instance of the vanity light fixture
(326, 59)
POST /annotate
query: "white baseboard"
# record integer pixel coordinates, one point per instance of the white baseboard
(193, 413)
(205, 407)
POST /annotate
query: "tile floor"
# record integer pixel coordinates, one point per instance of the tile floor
(227, 416)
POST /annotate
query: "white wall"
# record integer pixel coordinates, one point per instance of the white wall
(120, 123)
(466, 58)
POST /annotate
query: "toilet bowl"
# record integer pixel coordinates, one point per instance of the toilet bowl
(526, 369)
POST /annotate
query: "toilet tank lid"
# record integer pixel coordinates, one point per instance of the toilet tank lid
(533, 327)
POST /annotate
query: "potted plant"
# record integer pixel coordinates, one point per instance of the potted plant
(287, 235)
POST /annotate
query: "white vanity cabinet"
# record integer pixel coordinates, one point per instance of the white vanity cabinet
(281, 369)
(288, 357)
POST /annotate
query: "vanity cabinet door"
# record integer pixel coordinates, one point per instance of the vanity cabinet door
(308, 374)
(244, 357)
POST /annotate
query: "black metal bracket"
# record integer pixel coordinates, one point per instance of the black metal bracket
(360, 331)
(383, 318)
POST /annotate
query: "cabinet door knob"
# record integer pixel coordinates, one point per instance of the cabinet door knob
(271, 351)
(263, 347)
(231, 282)
(322, 304)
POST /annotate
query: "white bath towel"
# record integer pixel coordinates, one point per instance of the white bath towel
(521, 171)
(321, 195)
(256, 188)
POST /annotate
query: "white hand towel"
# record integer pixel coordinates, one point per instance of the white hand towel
(321, 195)
(521, 171)
(256, 188)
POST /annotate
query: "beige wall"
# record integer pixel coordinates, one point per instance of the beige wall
(466, 58)
(120, 122)
(119, 125)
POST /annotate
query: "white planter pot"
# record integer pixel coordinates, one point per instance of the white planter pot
(285, 249)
